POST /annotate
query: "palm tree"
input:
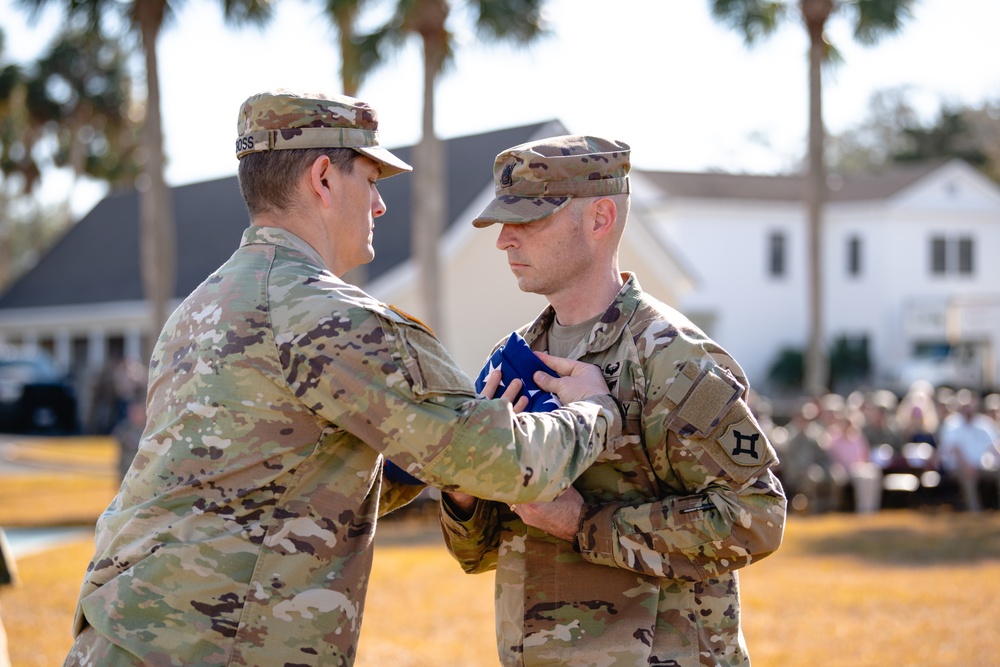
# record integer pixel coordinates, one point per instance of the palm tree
(519, 21)
(871, 20)
(17, 134)
(76, 97)
(81, 87)
(13, 138)
(343, 14)
(145, 19)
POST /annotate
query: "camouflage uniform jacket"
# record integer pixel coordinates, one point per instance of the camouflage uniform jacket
(670, 515)
(242, 534)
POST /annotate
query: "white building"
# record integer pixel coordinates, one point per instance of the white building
(908, 263)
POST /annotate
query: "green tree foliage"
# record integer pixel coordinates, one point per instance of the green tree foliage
(17, 166)
(68, 109)
(948, 136)
(849, 366)
(869, 146)
(144, 20)
(81, 92)
(787, 371)
(893, 133)
(984, 126)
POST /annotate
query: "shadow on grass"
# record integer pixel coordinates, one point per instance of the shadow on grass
(957, 539)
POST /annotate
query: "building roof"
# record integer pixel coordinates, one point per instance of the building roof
(718, 185)
(97, 260)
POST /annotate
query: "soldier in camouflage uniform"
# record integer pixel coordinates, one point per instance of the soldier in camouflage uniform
(637, 563)
(242, 533)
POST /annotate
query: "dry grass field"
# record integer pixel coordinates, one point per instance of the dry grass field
(896, 588)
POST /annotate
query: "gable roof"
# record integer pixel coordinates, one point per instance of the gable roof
(718, 185)
(97, 260)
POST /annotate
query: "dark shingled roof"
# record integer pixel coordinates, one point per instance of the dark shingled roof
(97, 260)
(788, 188)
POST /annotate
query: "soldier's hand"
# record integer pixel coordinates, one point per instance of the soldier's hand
(464, 501)
(559, 518)
(578, 381)
(510, 392)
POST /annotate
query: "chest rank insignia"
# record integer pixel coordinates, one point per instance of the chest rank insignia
(744, 443)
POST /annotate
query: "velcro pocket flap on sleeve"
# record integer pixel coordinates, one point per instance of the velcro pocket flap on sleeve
(421, 356)
(702, 397)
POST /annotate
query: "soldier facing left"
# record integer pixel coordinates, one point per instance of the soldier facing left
(242, 533)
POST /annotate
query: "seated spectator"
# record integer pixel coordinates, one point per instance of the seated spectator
(968, 448)
(880, 428)
(849, 450)
(917, 417)
(805, 468)
(991, 408)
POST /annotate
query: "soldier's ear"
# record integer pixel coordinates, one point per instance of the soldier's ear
(319, 182)
(604, 213)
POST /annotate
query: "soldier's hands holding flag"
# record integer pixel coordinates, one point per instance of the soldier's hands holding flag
(547, 382)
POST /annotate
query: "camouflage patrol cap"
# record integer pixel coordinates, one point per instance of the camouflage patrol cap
(283, 119)
(536, 179)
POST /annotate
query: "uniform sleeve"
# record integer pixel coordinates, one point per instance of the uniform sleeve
(394, 495)
(726, 508)
(473, 541)
(390, 382)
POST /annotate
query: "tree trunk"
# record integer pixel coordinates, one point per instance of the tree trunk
(156, 215)
(815, 15)
(5, 254)
(429, 197)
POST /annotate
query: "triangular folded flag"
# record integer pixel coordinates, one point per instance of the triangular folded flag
(516, 360)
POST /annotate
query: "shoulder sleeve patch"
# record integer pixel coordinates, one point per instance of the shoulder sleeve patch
(744, 443)
(739, 447)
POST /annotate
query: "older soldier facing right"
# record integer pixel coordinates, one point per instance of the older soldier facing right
(636, 564)
(242, 533)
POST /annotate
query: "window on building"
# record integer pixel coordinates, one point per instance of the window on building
(854, 256)
(776, 254)
(965, 266)
(938, 263)
(952, 255)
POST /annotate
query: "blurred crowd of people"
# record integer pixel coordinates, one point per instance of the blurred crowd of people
(872, 449)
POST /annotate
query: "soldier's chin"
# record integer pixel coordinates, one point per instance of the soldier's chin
(527, 285)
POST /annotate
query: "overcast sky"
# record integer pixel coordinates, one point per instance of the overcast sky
(686, 93)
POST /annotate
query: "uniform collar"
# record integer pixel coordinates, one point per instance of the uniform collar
(259, 235)
(608, 328)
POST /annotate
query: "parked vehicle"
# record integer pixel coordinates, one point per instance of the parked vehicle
(34, 397)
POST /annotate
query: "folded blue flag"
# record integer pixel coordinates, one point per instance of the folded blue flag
(516, 360)
(396, 474)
